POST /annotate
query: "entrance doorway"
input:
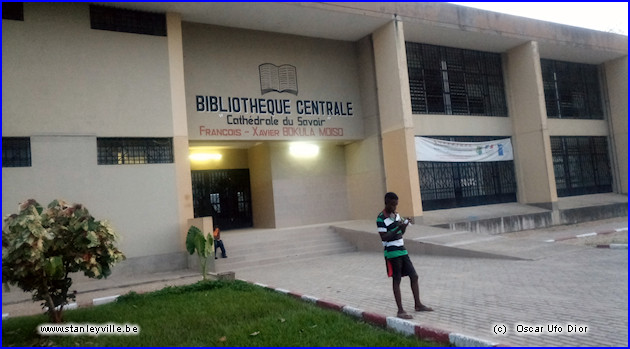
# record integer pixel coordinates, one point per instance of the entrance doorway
(225, 195)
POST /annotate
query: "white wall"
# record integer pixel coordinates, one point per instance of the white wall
(133, 198)
(223, 62)
(64, 85)
(309, 190)
(60, 76)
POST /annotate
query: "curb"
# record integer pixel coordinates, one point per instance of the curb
(591, 234)
(614, 246)
(74, 305)
(404, 327)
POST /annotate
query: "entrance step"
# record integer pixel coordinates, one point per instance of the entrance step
(255, 247)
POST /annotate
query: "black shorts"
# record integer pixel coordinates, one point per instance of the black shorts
(399, 267)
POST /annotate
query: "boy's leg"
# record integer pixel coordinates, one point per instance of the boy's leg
(415, 289)
(401, 311)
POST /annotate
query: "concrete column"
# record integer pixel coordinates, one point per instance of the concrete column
(532, 147)
(180, 124)
(394, 104)
(617, 86)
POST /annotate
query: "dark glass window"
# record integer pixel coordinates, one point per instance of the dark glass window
(445, 80)
(572, 90)
(13, 10)
(16, 152)
(121, 151)
(581, 165)
(128, 21)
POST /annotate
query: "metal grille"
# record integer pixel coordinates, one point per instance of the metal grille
(224, 195)
(581, 165)
(16, 152)
(459, 184)
(122, 151)
(445, 80)
(572, 90)
(127, 21)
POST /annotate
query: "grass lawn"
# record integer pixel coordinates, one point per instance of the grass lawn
(216, 313)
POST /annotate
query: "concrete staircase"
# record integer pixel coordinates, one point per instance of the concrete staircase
(255, 247)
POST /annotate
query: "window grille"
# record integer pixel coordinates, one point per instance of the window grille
(127, 21)
(460, 184)
(16, 152)
(121, 151)
(445, 80)
(581, 165)
(13, 11)
(572, 90)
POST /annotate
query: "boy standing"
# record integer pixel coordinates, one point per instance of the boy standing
(391, 228)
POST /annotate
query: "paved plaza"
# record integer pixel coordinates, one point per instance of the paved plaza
(572, 294)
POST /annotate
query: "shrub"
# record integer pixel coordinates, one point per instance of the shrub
(41, 247)
(195, 241)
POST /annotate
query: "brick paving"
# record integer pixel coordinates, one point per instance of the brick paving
(584, 287)
(577, 286)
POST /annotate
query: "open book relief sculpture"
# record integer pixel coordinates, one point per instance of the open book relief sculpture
(281, 78)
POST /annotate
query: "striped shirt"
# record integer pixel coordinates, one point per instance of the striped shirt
(395, 247)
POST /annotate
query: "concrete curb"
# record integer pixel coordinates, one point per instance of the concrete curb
(588, 235)
(614, 246)
(405, 327)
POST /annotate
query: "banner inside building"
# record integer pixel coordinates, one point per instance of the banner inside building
(430, 149)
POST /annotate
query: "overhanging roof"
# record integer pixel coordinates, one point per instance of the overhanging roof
(433, 23)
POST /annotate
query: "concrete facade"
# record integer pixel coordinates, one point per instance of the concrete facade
(65, 85)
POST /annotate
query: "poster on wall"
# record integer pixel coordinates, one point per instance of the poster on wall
(430, 149)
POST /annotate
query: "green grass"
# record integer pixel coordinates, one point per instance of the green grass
(216, 313)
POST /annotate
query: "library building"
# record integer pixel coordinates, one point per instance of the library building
(280, 115)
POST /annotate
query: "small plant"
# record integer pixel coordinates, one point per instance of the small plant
(41, 247)
(195, 241)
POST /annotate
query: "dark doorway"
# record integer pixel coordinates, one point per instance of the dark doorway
(225, 195)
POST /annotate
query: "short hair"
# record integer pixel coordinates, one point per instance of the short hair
(390, 196)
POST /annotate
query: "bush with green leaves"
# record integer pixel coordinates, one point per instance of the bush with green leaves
(195, 241)
(42, 247)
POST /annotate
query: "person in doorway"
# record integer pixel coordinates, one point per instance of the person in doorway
(391, 227)
(218, 243)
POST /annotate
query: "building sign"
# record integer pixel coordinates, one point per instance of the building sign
(287, 117)
(247, 85)
(278, 78)
(430, 149)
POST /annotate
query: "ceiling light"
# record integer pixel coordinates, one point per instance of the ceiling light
(205, 156)
(304, 150)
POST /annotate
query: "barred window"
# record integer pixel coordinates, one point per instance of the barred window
(122, 151)
(581, 165)
(16, 152)
(128, 21)
(459, 184)
(13, 11)
(445, 80)
(572, 90)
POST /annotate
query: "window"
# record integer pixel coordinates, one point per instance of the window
(572, 90)
(13, 10)
(120, 151)
(581, 165)
(459, 184)
(452, 81)
(128, 21)
(16, 152)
